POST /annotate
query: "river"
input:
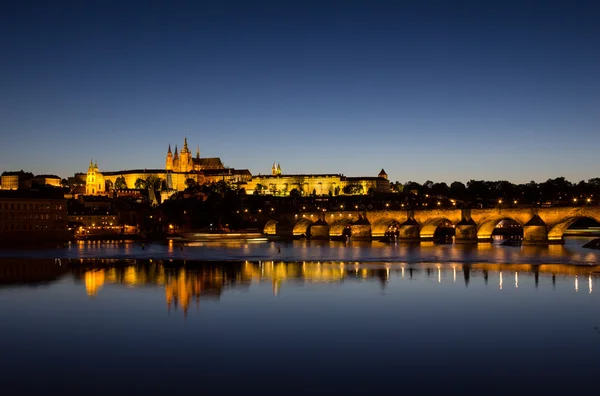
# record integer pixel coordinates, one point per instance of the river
(302, 317)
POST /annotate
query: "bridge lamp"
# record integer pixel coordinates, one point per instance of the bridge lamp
(387, 205)
(499, 201)
(356, 206)
(589, 200)
(272, 209)
(439, 203)
(515, 201)
(574, 199)
(259, 210)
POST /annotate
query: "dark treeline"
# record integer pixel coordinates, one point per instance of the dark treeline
(557, 191)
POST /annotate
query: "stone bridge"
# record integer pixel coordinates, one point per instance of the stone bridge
(540, 225)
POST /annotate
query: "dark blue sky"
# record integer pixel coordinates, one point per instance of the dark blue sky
(448, 90)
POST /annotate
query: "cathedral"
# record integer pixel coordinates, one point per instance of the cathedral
(184, 162)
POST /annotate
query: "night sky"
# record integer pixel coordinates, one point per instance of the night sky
(445, 91)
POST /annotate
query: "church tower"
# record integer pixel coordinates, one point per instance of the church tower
(274, 170)
(176, 160)
(185, 159)
(278, 169)
(169, 163)
(94, 180)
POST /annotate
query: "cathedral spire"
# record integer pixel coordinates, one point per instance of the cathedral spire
(169, 152)
(185, 146)
(197, 151)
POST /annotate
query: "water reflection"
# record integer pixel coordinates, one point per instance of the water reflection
(187, 282)
(302, 250)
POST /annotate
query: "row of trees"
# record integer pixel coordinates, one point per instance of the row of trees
(151, 181)
(558, 189)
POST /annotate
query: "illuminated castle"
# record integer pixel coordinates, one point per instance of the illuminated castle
(179, 168)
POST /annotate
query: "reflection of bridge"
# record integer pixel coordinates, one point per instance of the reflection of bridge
(540, 225)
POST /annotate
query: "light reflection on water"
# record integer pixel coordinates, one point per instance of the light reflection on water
(569, 253)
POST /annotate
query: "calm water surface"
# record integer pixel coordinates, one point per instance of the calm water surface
(301, 318)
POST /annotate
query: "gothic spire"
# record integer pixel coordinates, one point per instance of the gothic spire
(197, 151)
(185, 146)
(169, 152)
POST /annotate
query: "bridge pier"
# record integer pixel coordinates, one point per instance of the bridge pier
(409, 231)
(319, 230)
(361, 229)
(465, 231)
(535, 232)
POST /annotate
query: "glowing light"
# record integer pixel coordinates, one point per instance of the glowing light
(499, 201)
(516, 280)
(500, 280)
(576, 284)
(454, 272)
(590, 283)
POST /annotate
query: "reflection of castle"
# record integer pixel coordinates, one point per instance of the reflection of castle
(184, 285)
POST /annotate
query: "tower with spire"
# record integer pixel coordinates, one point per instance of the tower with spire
(169, 162)
(274, 169)
(185, 158)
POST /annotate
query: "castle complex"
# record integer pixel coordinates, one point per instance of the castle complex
(319, 184)
(181, 166)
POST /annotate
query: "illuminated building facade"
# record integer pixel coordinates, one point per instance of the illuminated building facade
(278, 183)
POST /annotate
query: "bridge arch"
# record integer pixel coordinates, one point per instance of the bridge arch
(382, 226)
(337, 227)
(486, 228)
(302, 228)
(429, 228)
(557, 231)
(270, 227)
